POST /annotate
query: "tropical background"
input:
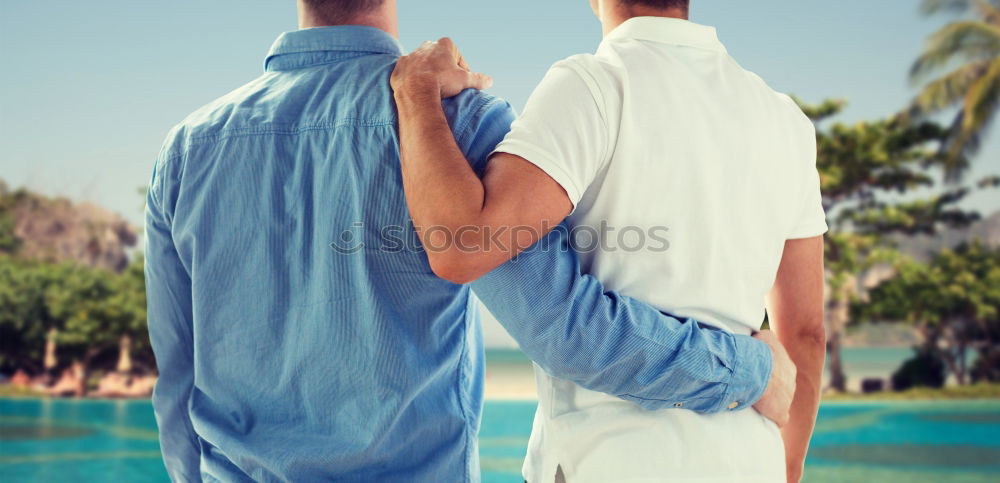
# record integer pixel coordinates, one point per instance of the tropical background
(903, 93)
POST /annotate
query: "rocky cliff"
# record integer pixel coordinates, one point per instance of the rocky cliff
(56, 229)
(923, 247)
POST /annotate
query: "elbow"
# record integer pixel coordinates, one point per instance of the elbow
(455, 267)
(812, 335)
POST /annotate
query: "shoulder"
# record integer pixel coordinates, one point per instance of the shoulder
(474, 115)
(786, 105)
(599, 77)
(472, 107)
(203, 125)
(601, 74)
(785, 109)
(208, 121)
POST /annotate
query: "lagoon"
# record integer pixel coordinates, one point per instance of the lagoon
(43, 440)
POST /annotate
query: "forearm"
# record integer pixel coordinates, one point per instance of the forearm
(441, 188)
(808, 352)
(795, 309)
(469, 226)
(566, 322)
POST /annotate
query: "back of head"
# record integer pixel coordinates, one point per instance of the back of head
(662, 4)
(338, 12)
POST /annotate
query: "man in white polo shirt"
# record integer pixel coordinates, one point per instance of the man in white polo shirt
(660, 132)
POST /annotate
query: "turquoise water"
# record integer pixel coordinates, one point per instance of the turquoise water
(115, 441)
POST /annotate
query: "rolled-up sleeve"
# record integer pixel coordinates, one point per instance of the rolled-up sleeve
(573, 329)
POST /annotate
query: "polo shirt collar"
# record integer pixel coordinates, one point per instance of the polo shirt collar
(668, 30)
(343, 39)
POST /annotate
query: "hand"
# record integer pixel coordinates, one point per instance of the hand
(777, 399)
(437, 66)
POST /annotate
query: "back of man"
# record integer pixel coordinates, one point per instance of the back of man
(288, 350)
(662, 133)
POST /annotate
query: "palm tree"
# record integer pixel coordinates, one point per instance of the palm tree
(965, 54)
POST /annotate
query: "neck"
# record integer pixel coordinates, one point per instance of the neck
(613, 14)
(383, 18)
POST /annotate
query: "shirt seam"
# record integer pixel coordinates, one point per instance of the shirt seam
(331, 48)
(289, 131)
(269, 69)
(597, 94)
(462, 396)
(166, 174)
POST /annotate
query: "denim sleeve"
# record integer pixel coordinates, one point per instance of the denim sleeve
(169, 315)
(573, 329)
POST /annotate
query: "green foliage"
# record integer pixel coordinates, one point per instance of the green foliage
(965, 55)
(987, 366)
(864, 164)
(924, 369)
(868, 172)
(962, 283)
(90, 309)
(9, 243)
(857, 162)
(24, 314)
(864, 168)
(954, 301)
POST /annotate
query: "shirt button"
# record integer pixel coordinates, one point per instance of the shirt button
(734, 405)
(677, 405)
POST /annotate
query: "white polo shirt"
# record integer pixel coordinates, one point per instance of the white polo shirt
(695, 173)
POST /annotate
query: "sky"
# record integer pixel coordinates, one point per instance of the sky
(90, 89)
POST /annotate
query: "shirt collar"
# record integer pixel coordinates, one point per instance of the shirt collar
(346, 39)
(668, 30)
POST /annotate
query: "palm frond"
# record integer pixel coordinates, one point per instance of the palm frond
(949, 89)
(989, 11)
(983, 99)
(958, 147)
(928, 7)
(957, 41)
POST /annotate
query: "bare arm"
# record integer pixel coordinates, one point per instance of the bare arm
(467, 225)
(795, 311)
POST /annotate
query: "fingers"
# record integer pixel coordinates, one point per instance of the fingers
(479, 81)
(449, 46)
(444, 65)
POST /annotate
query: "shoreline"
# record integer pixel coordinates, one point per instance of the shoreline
(526, 393)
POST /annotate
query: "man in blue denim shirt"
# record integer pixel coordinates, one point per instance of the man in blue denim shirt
(294, 343)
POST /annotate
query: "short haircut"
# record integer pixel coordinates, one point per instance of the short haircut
(684, 4)
(342, 10)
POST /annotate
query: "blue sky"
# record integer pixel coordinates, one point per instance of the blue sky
(89, 89)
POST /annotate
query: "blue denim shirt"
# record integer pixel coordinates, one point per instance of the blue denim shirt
(299, 332)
